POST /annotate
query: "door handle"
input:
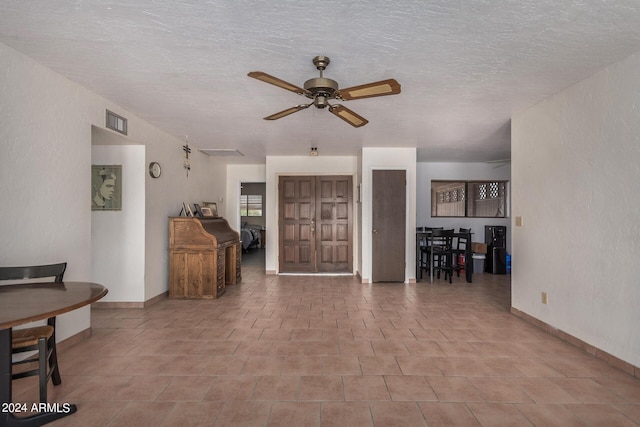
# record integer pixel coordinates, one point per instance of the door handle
(375, 231)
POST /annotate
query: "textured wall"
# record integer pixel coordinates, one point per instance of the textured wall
(45, 152)
(576, 183)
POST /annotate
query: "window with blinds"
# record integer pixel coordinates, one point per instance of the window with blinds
(250, 205)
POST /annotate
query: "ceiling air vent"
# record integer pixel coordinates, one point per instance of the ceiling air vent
(116, 122)
(221, 152)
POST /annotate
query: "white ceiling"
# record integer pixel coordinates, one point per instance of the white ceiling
(465, 66)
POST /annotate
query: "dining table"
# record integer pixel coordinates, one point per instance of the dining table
(426, 237)
(28, 302)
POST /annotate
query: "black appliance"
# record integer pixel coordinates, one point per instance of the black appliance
(495, 236)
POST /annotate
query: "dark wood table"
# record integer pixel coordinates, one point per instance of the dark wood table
(24, 303)
(468, 261)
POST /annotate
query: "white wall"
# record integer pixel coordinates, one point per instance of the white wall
(118, 237)
(300, 165)
(576, 184)
(45, 177)
(428, 171)
(45, 157)
(388, 158)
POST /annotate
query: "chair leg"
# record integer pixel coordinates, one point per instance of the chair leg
(53, 358)
(42, 368)
(53, 362)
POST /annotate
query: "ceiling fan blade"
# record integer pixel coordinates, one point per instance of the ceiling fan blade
(288, 111)
(348, 116)
(277, 82)
(369, 90)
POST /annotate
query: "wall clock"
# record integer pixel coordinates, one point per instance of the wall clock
(154, 169)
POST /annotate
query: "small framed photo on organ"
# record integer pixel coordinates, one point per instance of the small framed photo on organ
(212, 206)
(206, 212)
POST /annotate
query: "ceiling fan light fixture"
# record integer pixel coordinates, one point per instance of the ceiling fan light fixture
(321, 101)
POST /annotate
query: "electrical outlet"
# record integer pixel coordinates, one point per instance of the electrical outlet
(545, 299)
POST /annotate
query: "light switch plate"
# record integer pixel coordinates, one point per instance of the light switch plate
(518, 221)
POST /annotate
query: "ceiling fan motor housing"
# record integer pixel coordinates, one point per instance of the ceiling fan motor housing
(321, 90)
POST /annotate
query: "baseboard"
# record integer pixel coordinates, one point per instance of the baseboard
(123, 304)
(156, 299)
(270, 272)
(73, 340)
(577, 342)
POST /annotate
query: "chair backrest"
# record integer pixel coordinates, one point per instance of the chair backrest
(34, 272)
(463, 241)
(442, 237)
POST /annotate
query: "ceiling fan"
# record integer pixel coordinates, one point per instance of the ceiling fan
(321, 90)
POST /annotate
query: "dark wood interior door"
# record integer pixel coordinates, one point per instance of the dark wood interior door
(333, 224)
(315, 224)
(389, 225)
(297, 200)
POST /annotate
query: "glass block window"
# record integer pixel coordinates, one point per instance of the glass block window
(469, 199)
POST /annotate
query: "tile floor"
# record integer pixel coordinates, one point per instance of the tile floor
(330, 351)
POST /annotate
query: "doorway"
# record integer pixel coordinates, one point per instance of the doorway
(315, 224)
(388, 221)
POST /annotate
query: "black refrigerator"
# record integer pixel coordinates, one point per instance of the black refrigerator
(495, 236)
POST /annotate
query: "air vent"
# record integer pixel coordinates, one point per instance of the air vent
(116, 122)
(221, 152)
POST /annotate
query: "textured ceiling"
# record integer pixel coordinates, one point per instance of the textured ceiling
(465, 66)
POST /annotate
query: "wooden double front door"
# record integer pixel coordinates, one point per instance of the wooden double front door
(315, 224)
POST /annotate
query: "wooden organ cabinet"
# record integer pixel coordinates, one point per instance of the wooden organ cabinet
(204, 257)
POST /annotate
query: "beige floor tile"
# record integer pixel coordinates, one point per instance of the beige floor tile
(366, 387)
(289, 414)
(409, 388)
(397, 414)
(321, 388)
(498, 414)
(341, 414)
(440, 414)
(274, 388)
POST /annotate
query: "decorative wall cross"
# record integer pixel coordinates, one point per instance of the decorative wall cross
(187, 151)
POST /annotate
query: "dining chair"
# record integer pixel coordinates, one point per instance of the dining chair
(460, 249)
(37, 338)
(442, 241)
(425, 250)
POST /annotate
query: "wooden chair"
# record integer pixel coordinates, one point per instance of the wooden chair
(442, 241)
(425, 254)
(460, 249)
(38, 338)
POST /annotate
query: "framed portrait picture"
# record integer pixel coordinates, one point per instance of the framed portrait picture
(206, 212)
(212, 206)
(106, 187)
